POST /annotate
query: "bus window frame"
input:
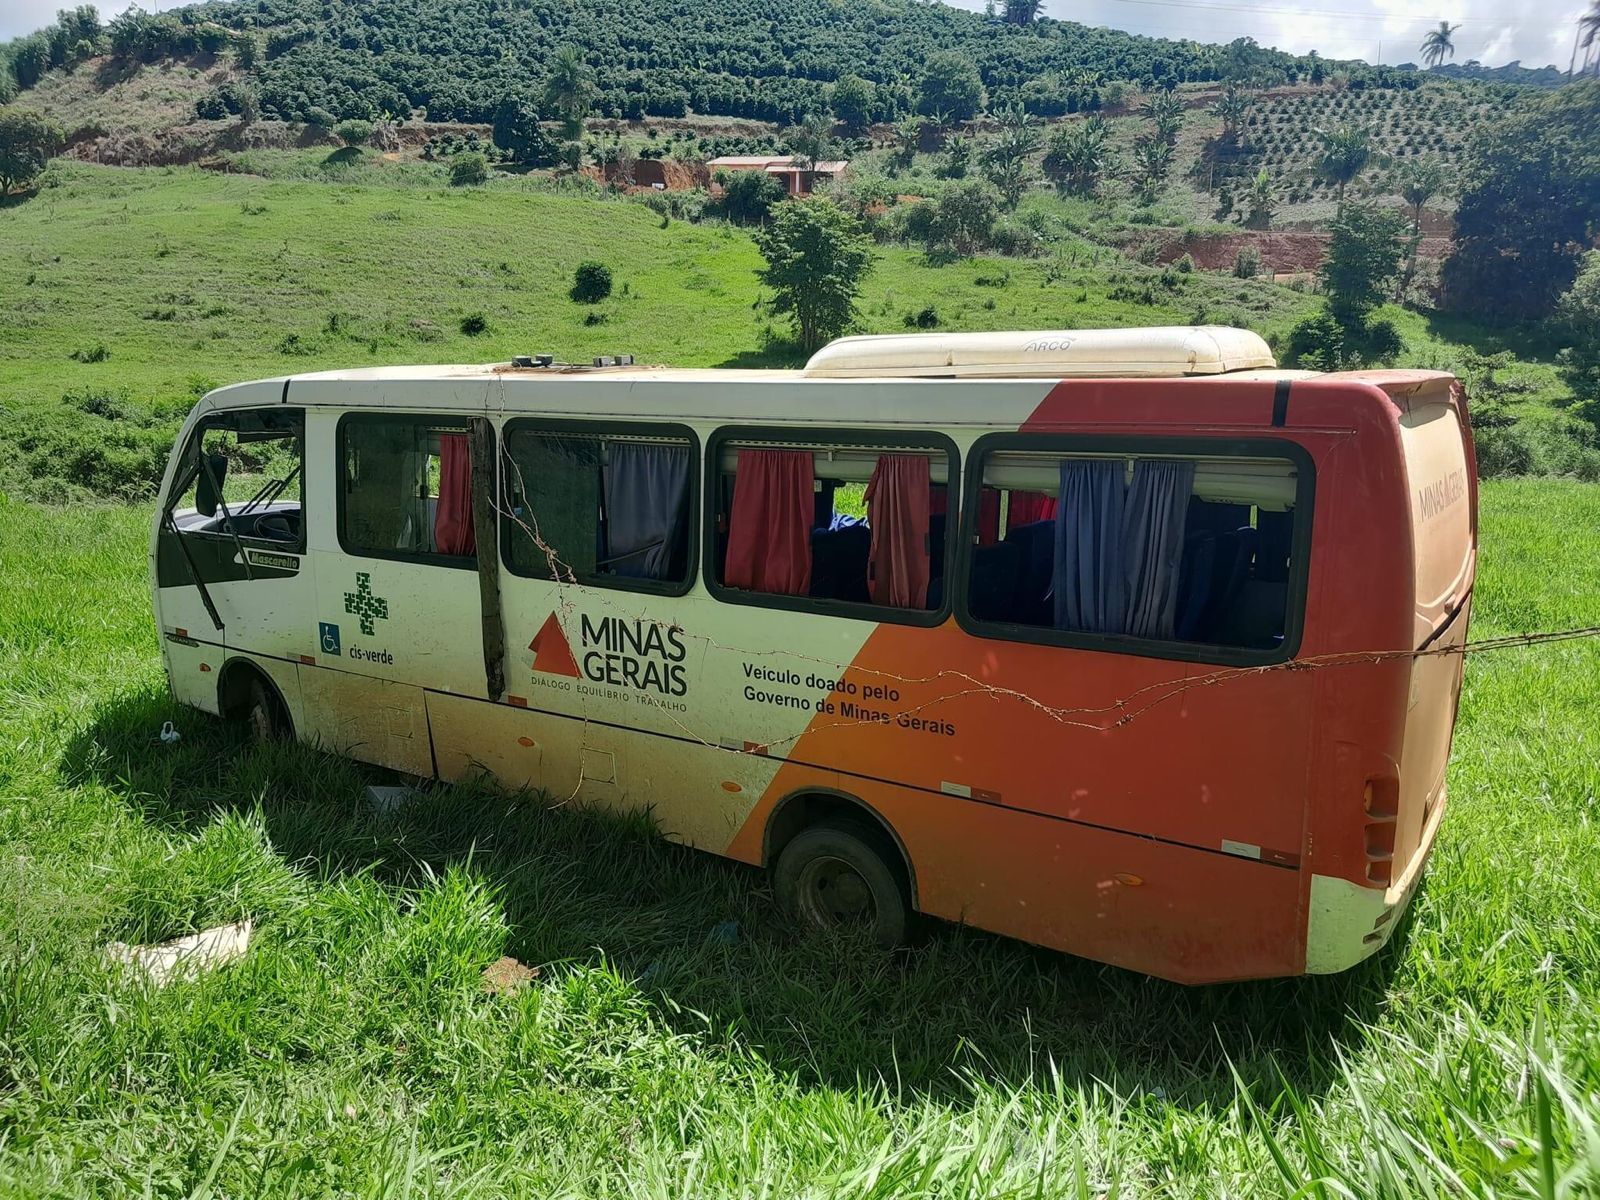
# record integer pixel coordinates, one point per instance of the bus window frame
(195, 445)
(1066, 444)
(822, 436)
(621, 431)
(459, 562)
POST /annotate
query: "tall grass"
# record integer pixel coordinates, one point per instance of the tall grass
(354, 1051)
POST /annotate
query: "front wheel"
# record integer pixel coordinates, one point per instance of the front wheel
(832, 877)
(263, 716)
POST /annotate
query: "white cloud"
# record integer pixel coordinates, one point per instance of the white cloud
(19, 17)
(1537, 32)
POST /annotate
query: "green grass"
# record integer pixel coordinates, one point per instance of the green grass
(175, 280)
(354, 1052)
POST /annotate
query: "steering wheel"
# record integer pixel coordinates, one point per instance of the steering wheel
(279, 527)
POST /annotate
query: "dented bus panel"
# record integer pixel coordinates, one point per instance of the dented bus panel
(1125, 643)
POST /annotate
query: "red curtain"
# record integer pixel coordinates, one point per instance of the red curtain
(897, 510)
(452, 522)
(769, 529)
(988, 516)
(1028, 507)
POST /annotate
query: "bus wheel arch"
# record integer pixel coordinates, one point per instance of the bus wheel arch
(814, 816)
(248, 695)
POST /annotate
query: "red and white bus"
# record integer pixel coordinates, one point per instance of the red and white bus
(1122, 642)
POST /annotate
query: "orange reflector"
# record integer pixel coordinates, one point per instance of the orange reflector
(205, 666)
(729, 785)
(526, 741)
(1130, 880)
(517, 701)
(307, 660)
(181, 632)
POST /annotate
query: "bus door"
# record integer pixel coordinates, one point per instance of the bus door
(397, 604)
(596, 529)
(231, 567)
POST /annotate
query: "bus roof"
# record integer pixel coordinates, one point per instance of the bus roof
(1156, 353)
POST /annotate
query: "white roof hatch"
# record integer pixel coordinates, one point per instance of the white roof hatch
(1158, 353)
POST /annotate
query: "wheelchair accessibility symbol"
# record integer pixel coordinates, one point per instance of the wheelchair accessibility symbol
(329, 635)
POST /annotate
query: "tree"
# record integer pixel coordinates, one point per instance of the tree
(1262, 199)
(852, 100)
(811, 141)
(1023, 12)
(1165, 113)
(1152, 159)
(1438, 45)
(1529, 205)
(1233, 106)
(1588, 34)
(1006, 160)
(957, 158)
(1365, 245)
(1342, 155)
(1420, 181)
(748, 196)
(1076, 156)
(961, 218)
(568, 90)
(27, 141)
(951, 88)
(817, 256)
(1577, 328)
(591, 283)
(517, 130)
(907, 137)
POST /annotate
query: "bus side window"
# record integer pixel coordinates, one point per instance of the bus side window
(241, 474)
(845, 522)
(608, 509)
(407, 488)
(1168, 548)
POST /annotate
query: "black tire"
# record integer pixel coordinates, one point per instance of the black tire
(264, 716)
(833, 876)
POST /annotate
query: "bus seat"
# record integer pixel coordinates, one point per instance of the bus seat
(1037, 543)
(1255, 618)
(839, 563)
(1195, 572)
(996, 573)
(1276, 533)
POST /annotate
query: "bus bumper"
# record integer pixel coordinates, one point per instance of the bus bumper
(1348, 922)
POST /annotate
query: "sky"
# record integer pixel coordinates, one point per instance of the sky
(1492, 31)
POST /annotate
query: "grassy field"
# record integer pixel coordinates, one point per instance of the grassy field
(356, 1052)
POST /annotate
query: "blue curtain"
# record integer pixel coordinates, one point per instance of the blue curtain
(1090, 574)
(1153, 523)
(647, 504)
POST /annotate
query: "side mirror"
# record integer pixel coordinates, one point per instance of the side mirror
(205, 494)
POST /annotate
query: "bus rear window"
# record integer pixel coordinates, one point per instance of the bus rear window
(1159, 547)
(841, 523)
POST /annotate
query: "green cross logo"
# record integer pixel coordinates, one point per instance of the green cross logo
(363, 604)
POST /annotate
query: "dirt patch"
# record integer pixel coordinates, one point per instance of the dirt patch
(653, 174)
(506, 976)
(1283, 252)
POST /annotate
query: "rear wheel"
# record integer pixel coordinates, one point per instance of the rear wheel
(833, 877)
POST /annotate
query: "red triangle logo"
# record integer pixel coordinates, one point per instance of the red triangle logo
(551, 653)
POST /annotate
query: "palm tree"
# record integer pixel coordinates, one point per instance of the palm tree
(1263, 200)
(1420, 182)
(1077, 154)
(1588, 34)
(811, 141)
(567, 89)
(1165, 112)
(1344, 154)
(1437, 46)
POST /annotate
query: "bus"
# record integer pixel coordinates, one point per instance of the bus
(1125, 643)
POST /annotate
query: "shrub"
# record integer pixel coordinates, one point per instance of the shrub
(468, 170)
(924, 318)
(1316, 342)
(1185, 264)
(474, 324)
(353, 133)
(591, 283)
(92, 354)
(1247, 263)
